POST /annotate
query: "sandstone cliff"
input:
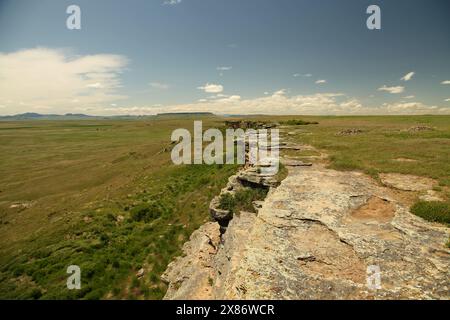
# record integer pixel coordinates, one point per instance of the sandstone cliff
(314, 237)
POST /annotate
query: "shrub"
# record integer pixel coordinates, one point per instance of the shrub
(35, 293)
(149, 212)
(299, 122)
(227, 202)
(242, 199)
(135, 282)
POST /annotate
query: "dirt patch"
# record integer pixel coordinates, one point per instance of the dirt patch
(405, 160)
(376, 209)
(325, 256)
(407, 182)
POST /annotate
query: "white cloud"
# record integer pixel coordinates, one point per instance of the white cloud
(409, 97)
(410, 108)
(447, 100)
(445, 82)
(398, 89)
(51, 80)
(159, 85)
(171, 2)
(211, 88)
(321, 81)
(96, 85)
(224, 68)
(233, 98)
(219, 95)
(408, 76)
(296, 75)
(279, 103)
(280, 92)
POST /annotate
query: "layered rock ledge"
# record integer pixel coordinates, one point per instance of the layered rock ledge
(313, 238)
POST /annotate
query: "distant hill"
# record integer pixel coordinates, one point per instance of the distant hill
(38, 116)
(186, 114)
(80, 116)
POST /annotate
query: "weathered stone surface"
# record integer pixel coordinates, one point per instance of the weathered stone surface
(253, 175)
(257, 205)
(407, 182)
(431, 195)
(190, 276)
(295, 163)
(219, 214)
(314, 238)
(420, 128)
(349, 132)
(140, 273)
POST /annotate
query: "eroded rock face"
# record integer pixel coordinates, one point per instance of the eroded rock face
(313, 238)
(407, 182)
(254, 176)
(189, 276)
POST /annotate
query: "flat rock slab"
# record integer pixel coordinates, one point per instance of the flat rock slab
(295, 163)
(431, 195)
(316, 237)
(407, 182)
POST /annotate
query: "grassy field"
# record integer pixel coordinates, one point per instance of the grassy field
(104, 194)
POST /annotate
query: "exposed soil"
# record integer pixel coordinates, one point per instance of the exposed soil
(376, 209)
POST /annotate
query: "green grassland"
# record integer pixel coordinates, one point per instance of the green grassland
(104, 194)
(73, 183)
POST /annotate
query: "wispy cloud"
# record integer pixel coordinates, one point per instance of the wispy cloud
(211, 88)
(408, 76)
(307, 75)
(447, 100)
(409, 97)
(159, 85)
(224, 68)
(394, 90)
(171, 2)
(96, 85)
(321, 81)
(445, 82)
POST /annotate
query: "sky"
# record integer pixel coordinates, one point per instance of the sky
(225, 56)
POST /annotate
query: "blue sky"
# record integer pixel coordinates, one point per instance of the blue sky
(225, 56)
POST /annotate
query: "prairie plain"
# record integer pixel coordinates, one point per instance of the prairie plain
(104, 194)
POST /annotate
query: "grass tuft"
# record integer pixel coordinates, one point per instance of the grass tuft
(435, 211)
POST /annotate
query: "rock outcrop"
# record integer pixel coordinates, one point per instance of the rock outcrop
(314, 237)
